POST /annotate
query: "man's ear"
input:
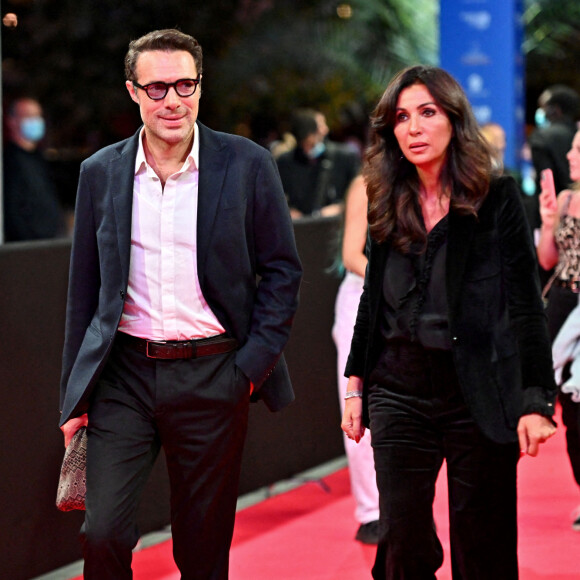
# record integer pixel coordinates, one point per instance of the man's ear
(132, 91)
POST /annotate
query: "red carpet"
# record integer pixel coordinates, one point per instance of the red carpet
(308, 533)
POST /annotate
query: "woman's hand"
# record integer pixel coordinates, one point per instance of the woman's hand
(548, 201)
(548, 211)
(72, 426)
(547, 249)
(352, 416)
(534, 429)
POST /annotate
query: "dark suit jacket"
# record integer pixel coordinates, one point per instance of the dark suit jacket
(312, 184)
(32, 209)
(244, 233)
(497, 323)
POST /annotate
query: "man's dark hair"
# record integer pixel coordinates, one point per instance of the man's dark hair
(169, 40)
(563, 98)
(303, 123)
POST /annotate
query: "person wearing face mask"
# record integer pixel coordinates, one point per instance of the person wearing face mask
(32, 210)
(556, 116)
(317, 172)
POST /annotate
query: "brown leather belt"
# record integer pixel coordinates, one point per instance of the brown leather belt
(175, 349)
(572, 284)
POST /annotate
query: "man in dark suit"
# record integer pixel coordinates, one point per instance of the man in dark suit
(183, 286)
(32, 210)
(552, 140)
(317, 172)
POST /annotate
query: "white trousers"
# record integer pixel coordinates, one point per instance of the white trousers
(361, 464)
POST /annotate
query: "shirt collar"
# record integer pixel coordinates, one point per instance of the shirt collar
(192, 159)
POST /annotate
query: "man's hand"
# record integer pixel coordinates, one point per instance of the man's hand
(72, 426)
(534, 429)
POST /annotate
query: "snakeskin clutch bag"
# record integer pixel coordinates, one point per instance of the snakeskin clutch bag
(72, 482)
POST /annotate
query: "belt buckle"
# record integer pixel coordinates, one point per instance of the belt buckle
(155, 343)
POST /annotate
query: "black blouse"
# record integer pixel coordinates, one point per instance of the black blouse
(414, 296)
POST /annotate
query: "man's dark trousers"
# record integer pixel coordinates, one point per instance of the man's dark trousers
(197, 409)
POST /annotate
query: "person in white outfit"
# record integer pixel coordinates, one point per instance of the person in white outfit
(360, 457)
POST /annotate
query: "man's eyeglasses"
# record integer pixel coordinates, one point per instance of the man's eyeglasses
(158, 90)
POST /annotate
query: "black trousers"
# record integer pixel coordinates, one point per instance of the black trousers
(197, 410)
(418, 418)
(561, 301)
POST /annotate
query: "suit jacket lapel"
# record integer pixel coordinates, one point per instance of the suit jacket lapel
(461, 232)
(214, 158)
(376, 277)
(121, 176)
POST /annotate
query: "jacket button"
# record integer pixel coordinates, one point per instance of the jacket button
(122, 293)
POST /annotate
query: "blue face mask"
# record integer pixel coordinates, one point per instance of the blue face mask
(540, 118)
(317, 150)
(32, 128)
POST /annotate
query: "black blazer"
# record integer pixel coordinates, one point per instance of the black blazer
(244, 233)
(498, 328)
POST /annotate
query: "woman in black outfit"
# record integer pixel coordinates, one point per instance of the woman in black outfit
(450, 357)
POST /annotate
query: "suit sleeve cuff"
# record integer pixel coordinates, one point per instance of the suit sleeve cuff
(538, 400)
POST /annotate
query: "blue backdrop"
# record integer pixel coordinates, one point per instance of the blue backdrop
(480, 45)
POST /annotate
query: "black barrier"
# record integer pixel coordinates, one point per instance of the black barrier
(35, 537)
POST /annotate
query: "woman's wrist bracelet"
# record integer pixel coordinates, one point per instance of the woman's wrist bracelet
(351, 394)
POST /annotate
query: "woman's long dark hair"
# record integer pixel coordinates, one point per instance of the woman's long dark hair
(392, 181)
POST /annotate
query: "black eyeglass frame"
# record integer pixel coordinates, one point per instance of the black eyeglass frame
(167, 86)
